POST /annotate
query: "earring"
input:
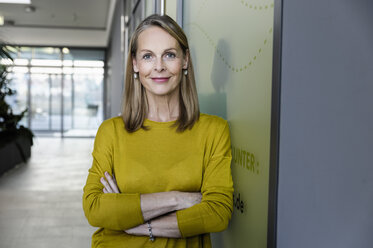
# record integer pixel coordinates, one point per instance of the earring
(135, 76)
(186, 72)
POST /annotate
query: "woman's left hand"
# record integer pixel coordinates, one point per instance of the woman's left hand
(110, 184)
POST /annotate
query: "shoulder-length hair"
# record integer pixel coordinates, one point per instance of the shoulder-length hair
(135, 104)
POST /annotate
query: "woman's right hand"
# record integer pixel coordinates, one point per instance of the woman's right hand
(110, 184)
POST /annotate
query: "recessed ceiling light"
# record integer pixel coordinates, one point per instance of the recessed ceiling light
(16, 1)
(65, 50)
(30, 9)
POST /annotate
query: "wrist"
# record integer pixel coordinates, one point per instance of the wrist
(176, 200)
(141, 230)
(151, 237)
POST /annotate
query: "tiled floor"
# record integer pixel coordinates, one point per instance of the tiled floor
(41, 201)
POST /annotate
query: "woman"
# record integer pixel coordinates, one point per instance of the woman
(161, 173)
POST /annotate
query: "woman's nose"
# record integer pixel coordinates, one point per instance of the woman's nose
(159, 65)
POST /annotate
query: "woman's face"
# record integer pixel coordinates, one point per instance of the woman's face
(159, 61)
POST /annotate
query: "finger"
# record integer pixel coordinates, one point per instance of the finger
(112, 184)
(105, 191)
(106, 185)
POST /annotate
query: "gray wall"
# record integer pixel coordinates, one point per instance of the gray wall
(325, 194)
(115, 68)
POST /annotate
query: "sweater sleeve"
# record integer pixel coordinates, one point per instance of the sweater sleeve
(112, 211)
(215, 209)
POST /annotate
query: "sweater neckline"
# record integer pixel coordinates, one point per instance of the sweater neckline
(151, 123)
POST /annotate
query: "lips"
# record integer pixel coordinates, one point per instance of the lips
(160, 79)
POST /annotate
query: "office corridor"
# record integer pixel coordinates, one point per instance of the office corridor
(41, 202)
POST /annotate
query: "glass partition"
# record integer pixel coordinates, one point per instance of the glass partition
(231, 49)
(41, 105)
(87, 103)
(61, 87)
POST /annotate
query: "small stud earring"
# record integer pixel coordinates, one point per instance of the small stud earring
(135, 76)
(185, 72)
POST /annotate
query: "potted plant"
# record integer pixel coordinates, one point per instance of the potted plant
(15, 139)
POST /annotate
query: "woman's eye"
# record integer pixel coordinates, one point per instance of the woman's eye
(170, 55)
(147, 56)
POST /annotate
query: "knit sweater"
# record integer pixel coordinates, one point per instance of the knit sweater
(158, 160)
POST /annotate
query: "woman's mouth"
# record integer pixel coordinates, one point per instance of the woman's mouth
(160, 79)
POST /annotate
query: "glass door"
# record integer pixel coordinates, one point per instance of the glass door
(45, 102)
(55, 102)
(40, 108)
(68, 104)
(62, 89)
(87, 101)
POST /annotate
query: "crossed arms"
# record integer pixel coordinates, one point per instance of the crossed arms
(158, 207)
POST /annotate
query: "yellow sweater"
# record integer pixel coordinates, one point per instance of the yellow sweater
(160, 160)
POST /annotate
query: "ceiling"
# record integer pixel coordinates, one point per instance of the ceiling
(73, 23)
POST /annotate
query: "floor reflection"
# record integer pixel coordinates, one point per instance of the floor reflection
(41, 201)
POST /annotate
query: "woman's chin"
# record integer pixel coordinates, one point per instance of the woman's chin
(161, 93)
(162, 90)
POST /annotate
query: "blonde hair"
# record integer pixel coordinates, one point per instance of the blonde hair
(135, 105)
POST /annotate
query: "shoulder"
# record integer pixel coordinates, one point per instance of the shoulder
(212, 121)
(212, 126)
(108, 131)
(216, 132)
(111, 125)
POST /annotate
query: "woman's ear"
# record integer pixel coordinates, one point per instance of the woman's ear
(186, 59)
(134, 64)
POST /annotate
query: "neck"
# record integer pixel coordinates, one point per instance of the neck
(163, 108)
